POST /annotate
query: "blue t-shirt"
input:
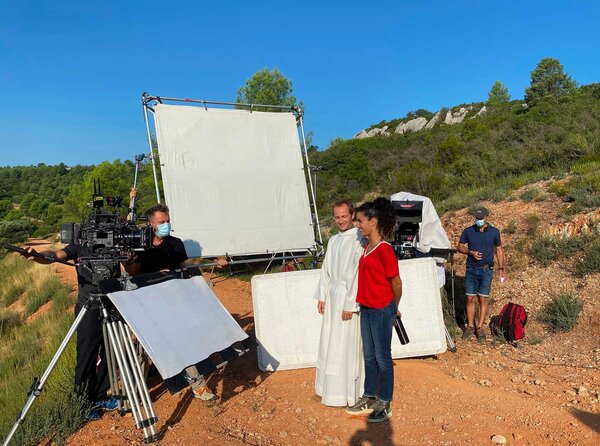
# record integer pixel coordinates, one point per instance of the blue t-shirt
(482, 241)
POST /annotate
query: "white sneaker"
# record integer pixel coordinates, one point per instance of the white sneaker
(204, 394)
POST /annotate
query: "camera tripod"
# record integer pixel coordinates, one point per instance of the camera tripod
(127, 381)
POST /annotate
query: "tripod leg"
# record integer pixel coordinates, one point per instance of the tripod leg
(37, 386)
(138, 376)
(452, 281)
(125, 372)
(450, 341)
(112, 370)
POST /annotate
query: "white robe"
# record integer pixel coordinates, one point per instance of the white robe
(340, 368)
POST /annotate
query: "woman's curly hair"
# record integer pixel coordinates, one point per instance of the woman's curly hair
(382, 209)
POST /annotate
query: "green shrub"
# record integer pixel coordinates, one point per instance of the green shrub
(16, 277)
(545, 250)
(558, 188)
(534, 338)
(9, 319)
(48, 289)
(62, 299)
(561, 313)
(530, 194)
(583, 192)
(449, 319)
(590, 262)
(511, 227)
(532, 224)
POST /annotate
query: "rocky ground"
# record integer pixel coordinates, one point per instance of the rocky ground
(546, 391)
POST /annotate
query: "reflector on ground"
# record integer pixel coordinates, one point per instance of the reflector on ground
(288, 325)
(179, 322)
(234, 180)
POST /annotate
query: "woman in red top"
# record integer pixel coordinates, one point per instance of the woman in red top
(379, 292)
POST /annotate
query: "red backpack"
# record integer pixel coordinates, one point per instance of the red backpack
(510, 323)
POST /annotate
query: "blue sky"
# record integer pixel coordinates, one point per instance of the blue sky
(71, 73)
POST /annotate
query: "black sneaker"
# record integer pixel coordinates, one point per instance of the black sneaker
(364, 406)
(469, 331)
(480, 335)
(381, 412)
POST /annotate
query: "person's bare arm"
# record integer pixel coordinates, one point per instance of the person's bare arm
(132, 265)
(462, 248)
(59, 256)
(396, 283)
(500, 257)
(221, 261)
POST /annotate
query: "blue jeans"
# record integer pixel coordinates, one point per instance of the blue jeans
(376, 327)
(478, 281)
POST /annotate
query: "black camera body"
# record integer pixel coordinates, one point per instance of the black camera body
(409, 216)
(106, 233)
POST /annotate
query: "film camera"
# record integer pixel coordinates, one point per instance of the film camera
(108, 236)
(409, 216)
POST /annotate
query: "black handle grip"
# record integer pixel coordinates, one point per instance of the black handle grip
(23, 251)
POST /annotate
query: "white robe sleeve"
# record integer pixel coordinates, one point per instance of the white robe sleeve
(322, 291)
(350, 301)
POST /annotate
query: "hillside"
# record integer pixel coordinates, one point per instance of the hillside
(483, 157)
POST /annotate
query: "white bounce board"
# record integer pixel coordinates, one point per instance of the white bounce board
(288, 325)
(286, 320)
(178, 322)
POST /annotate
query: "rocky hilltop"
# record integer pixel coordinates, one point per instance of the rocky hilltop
(449, 117)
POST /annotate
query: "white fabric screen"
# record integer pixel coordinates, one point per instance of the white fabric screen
(288, 325)
(179, 322)
(233, 180)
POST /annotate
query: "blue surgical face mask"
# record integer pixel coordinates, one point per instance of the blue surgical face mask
(163, 230)
(479, 223)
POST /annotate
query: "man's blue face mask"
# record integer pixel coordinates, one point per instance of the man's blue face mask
(479, 223)
(163, 230)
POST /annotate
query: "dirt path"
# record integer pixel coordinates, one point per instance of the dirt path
(456, 399)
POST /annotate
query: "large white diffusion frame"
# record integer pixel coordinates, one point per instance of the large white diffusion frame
(234, 179)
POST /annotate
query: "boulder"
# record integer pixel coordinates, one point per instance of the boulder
(378, 131)
(414, 125)
(433, 121)
(457, 116)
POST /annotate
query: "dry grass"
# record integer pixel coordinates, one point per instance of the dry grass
(26, 347)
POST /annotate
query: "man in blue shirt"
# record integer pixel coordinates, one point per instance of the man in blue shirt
(479, 242)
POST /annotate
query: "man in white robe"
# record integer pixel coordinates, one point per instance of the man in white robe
(340, 368)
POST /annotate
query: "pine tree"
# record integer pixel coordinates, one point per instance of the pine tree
(498, 94)
(548, 80)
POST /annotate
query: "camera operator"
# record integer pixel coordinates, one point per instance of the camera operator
(91, 378)
(167, 253)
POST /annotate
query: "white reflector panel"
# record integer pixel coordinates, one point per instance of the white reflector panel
(233, 180)
(179, 322)
(288, 325)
